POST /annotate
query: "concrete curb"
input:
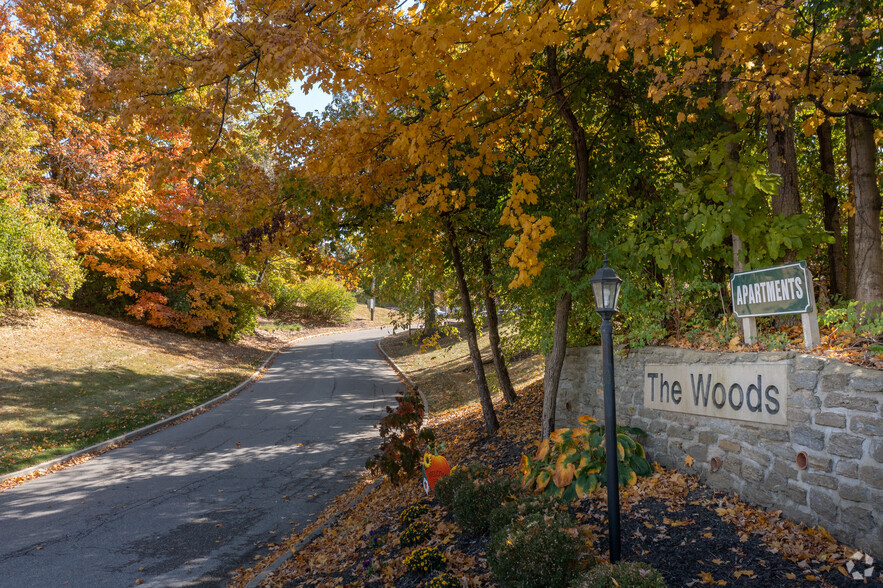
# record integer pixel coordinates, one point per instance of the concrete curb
(407, 380)
(266, 573)
(152, 428)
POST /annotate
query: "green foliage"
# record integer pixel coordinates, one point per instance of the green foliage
(443, 581)
(412, 513)
(774, 341)
(535, 552)
(572, 462)
(863, 319)
(446, 489)
(524, 506)
(474, 501)
(316, 298)
(425, 559)
(403, 440)
(416, 533)
(38, 264)
(624, 573)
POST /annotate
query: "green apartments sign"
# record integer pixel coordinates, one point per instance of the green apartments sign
(785, 289)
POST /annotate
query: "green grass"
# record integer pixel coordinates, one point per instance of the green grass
(94, 406)
(444, 372)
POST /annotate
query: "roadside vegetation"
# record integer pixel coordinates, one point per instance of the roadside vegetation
(69, 380)
(514, 513)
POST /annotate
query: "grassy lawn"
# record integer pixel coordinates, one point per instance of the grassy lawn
(69, 380)
(444, 373)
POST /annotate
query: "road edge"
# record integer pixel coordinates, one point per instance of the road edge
(408, 381)
(45, 468)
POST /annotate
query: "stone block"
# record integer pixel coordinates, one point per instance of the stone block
(870, 382)
(808, 362)
(656, 427)
(732, 465)
(835, 420)
(756, 494)
(877, 451)
(819, 480)
(698, 452)
(803, 435)
(775, 483)
(804, 380)
(847, 469)
(823, 505)
(802, 399)
(752, 473)
(758, 456)
(857, 519)
(785, 469)
(833, 380)
(866, 425)
(771, 356)
(708, 437)
(729, 446)
(845, 445)
(778, 434)
(798, 415)
(854, 493)
(796, 493)
(819, 463)
(872, 475)
(850, 401)
(680, 432)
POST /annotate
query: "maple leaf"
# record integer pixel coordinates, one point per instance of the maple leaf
(688, 461)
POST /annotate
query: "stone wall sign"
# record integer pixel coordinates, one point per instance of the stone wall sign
(746, 392)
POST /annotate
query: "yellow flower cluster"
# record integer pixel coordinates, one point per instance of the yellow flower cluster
(425, 559)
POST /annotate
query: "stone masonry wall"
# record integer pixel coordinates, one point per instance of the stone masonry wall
(834, 412)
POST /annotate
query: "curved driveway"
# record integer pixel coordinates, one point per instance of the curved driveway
(189, 504)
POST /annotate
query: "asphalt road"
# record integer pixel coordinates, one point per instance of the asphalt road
(188, 505)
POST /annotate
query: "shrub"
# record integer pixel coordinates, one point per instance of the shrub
(400, 454)
(572, 462)
(446, 488)
(474, 502)
(412, 513)
(416, 533)
(38, 264)
(525, 506)
(535, 552)
(624, 573)
(315, 298)
(425, 559)
(443, 581)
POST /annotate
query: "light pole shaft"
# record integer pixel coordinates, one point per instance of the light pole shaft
(610, 438)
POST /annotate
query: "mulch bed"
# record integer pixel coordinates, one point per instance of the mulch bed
(693, 535)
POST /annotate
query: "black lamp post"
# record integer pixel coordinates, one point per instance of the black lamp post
(605, 284)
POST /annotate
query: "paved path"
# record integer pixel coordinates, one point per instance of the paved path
(188, 505)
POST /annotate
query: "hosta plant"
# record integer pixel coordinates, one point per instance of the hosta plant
(572, 461)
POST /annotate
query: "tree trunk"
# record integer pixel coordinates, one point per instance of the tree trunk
(783, 162)
(430, 318)
(487, 406)
(493, 324)
(831, 204)
(868, 251)
(555, 361)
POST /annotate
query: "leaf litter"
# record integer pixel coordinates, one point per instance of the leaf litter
(694, 535)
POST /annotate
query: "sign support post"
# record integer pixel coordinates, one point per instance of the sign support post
(784, 289)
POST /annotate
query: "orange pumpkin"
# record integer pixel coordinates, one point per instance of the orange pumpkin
(434, 468)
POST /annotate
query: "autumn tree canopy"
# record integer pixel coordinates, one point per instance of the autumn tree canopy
(492, 149)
